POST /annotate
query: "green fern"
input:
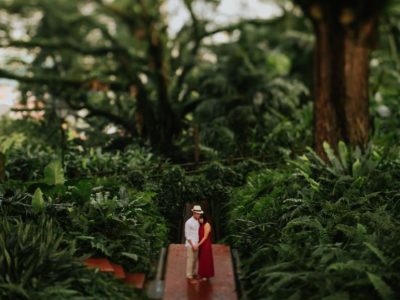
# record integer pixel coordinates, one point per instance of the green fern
(377, 252)
(381, 287)
(338, 168)
(331, 232)
(343, 155)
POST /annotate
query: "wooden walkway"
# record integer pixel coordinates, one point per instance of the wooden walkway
(220, 287)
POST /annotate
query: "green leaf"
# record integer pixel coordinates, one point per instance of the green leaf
(356, 169)
(54, 173)
(8, 257)
(357, 266)
(15, 289)
(279, 61)
(382, 288)
(37, 201)
(332, 157)
(99, 245)
(343, 154)
(314, 184)
(133, 256)
(361, 229)
(9, 142)
(377, 252)
(85, 237)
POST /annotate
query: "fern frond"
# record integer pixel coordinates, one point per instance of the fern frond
(381, 287)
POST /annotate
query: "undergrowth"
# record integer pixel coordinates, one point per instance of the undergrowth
(314, 230)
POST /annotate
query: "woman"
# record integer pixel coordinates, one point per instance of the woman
(206, 262)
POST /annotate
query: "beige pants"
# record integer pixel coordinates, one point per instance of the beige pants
(191, 260)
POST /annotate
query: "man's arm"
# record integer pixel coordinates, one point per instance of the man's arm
(187, 236)
(192, 245)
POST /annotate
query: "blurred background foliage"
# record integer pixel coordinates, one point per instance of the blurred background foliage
(111, 73)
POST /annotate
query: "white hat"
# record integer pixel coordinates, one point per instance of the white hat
(197, 209)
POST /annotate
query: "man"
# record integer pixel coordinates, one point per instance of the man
(192, 239)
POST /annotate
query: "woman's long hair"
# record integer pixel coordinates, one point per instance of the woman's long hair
(205, 218)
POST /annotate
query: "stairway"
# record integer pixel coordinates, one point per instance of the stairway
(220, 287)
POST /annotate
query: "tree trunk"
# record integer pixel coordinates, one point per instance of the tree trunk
(341, 104)
(165, 114)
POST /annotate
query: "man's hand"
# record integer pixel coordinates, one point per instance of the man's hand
(195, 247)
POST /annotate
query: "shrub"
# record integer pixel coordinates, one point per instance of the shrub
(321, 231)
(104, 216)
(37, 262)
(125, 226)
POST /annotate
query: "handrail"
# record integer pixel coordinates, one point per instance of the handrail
(238, 275)
(155, 289)
(161, 264)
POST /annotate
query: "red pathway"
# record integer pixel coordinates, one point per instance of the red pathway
(220, 287)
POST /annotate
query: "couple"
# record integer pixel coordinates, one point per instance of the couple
(198, 246)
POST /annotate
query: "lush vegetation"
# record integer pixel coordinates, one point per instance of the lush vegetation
(320, 230)
(87, 216)
(38, 262)
(116, 130)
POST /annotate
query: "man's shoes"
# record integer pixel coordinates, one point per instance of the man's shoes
(192, 280)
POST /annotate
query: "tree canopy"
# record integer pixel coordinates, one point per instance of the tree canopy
(113, 65)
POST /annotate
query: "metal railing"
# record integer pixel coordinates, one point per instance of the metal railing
(238, 275)
(155, 288)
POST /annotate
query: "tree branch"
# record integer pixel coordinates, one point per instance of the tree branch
(121, 14)
(197, 41)
(117, 49)
(232, 27)
(107, 114)
(71, 82)
(200, 35)
(27, 109)
(61, 44)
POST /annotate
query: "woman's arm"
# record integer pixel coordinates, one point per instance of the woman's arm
(207, 230)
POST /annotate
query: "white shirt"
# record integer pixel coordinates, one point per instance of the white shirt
(192, 231)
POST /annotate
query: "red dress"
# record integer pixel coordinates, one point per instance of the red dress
(206, 262)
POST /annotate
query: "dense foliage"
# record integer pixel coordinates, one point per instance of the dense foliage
(321, 231)
(96, 215)
(119, 205)
(38, 262)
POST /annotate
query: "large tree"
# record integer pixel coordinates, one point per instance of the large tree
(110, 62)
(345, 34)
(108, 59)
